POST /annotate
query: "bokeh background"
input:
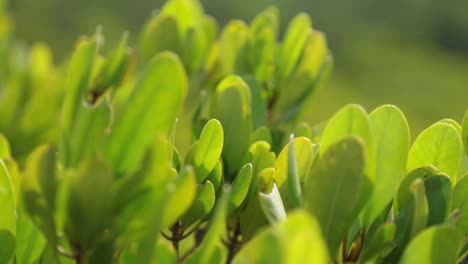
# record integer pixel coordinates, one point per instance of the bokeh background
(412, 53)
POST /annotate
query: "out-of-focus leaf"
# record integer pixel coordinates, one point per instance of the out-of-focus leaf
(460, 201)
(39, 187)
(7, 240)
(373, 246)
(231, 106)
(4, 147)
(78, 79)
(88, 202)
(187, 13)
(303, 155)
(232, 45)
(298, 239)
(272, 205)
(195, 47)
(150, 110)
(30, 241)
(259, 102)
(465, 132)
(240, 187)
(304, 79)
(336, 189)
(203, 203)
(216, 176)
(161, 33)
(261, 134)
(391, 136)
(165, 253)
(209, 247)
(292, 47)
(303, 130)
(112, 71)
(453, 123)
(181, 197)
(208, 150)
(438, 244)
(439, 145)
(351, 120)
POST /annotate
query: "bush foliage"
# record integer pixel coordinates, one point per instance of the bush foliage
(189, 149)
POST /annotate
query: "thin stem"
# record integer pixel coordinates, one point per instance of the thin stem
(233, 244)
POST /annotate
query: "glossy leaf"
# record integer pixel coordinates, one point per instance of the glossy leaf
(351, 120)
(440, 146)
(159, 93)
(240, 187)
(337, 188)
(304, 157)
(391, 136)
(208, 150)
(231, 106)
(437, 244)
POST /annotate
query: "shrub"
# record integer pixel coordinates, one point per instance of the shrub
(189, 150)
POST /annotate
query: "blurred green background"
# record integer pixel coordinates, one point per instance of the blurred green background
(412, 53)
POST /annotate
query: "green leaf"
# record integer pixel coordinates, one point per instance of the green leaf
(7, 200)
(337, 188)
(39, 187)
(159, 34)
(165, 253)
(4, 147)
(231, 106)
(113, 70)
(259, 102)
(159, 93)
(391, 136)
(209, 247)
(181, 197)
(453, 123)
(78, 78)
(438, 244)
(261, 134)
(439, 198)
(272, 205)
(304, 80)
(88, 202)
(304, 156)
(294, 186)
(460, 201)
(240, 187)
(295, 240)
(421, 207)
(351, 120)
(440, 146)
(208, 150)
(465, 132)
(7, 240)
(30, 243)
(187, 13)
(232, 45)
(293, 45)
(195, 47)
(374, 245)
(216, 176)
(202, 204)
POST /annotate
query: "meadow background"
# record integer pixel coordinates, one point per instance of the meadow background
(412, 53)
